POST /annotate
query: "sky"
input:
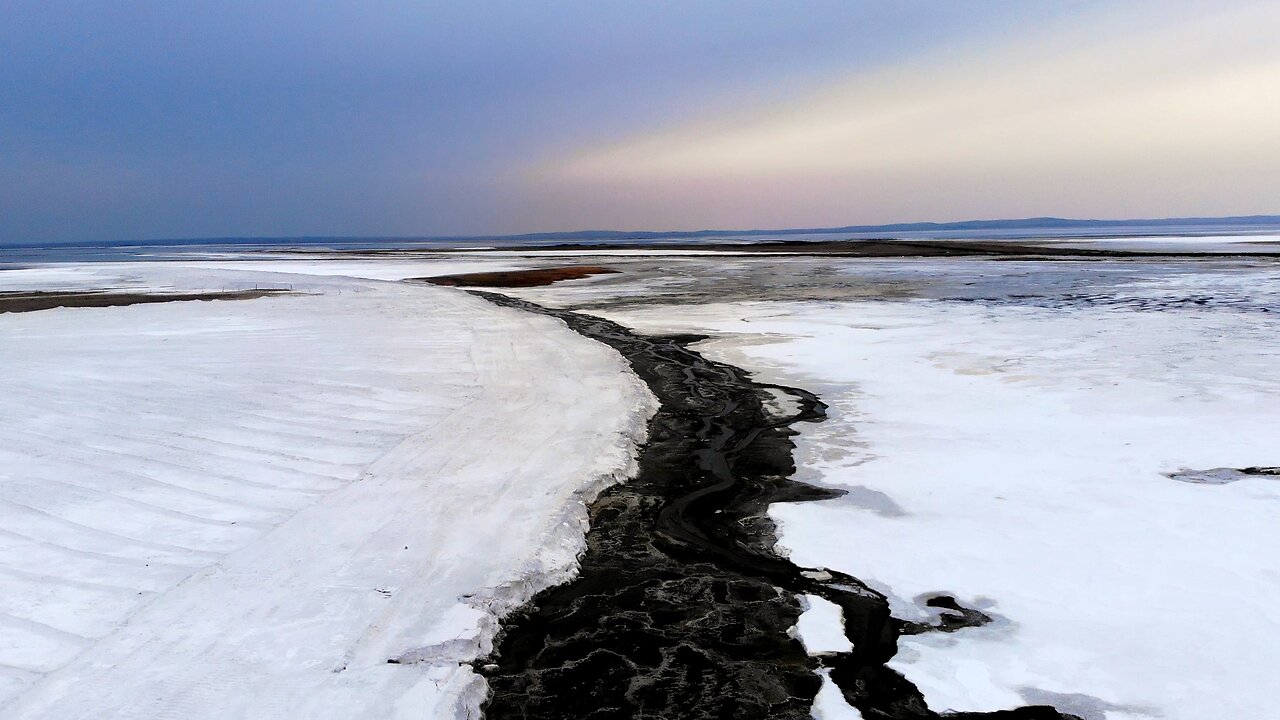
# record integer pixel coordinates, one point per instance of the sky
(130, 120)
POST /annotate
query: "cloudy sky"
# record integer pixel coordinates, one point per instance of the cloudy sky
(124, 119)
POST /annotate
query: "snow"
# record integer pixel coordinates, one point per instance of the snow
(1017, 457)
(1261, 243)
(244, 509)
(217, 275)
(390, 268)
(1192, 239)
(829, 704)
(1048, 442)
(821, 626)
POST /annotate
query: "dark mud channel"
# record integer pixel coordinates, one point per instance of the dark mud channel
(518, 278)
(682, 607)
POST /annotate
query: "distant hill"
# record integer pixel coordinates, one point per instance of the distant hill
(1028, 224)
(1052, 223)
(1037, 223)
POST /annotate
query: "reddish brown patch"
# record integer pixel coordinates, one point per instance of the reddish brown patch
(518, 278)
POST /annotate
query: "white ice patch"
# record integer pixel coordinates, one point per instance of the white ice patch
(245, 508)
(830, 704)
(1017, 456)
(821, 627)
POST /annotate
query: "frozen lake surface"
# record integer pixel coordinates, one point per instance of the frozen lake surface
(1006, 432)
(1030, 437)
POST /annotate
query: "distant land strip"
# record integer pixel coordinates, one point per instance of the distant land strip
(517, 278)
(16, 302)
(1028, 224)
(840, 248)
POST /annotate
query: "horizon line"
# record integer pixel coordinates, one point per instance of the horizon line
(1038, 222)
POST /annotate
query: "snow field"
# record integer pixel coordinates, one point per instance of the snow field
(1016, 458)
(243, 509)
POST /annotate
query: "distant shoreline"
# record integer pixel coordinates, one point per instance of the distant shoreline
(880, 248)
(1023, 228)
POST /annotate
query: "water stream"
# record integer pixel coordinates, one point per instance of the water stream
(682, 607)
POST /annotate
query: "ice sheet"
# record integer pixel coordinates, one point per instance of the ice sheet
(821, 627)
(1014, 455)
(246, 508)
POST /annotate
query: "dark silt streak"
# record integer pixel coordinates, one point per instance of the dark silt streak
(517, 278)
(34, 301)
(682, 606)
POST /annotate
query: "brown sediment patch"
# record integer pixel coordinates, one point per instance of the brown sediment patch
(16, 302)
(518, 278)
